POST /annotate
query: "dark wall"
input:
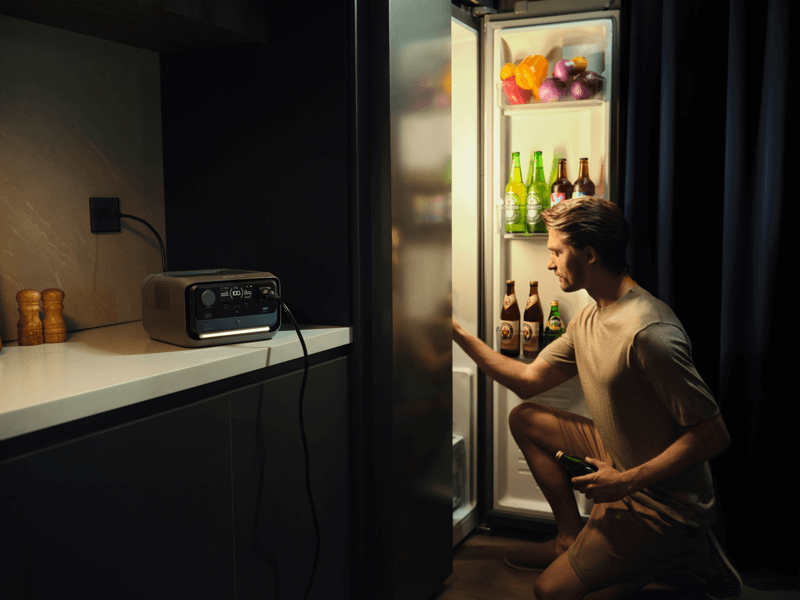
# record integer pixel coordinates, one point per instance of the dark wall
(256, 159)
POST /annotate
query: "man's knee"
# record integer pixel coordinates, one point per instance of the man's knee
(544, 590)
(523, 415)
(560, 583)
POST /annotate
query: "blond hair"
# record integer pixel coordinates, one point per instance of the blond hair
(591, 221)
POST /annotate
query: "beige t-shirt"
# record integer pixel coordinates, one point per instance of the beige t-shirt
(635, 365)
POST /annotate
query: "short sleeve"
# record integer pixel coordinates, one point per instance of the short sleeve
(561, 354)
(662, 354)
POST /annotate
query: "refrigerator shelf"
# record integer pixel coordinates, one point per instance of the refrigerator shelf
(525, 236)
(517, 109)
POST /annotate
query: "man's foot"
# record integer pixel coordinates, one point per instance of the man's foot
(722, 580)
(535, 558)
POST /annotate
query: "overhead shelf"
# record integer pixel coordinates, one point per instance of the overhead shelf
(148, 24)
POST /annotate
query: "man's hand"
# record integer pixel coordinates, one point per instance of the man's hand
(606, 485)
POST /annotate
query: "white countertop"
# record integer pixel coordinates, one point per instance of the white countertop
(97, 370)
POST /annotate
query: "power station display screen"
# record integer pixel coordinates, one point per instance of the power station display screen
(231, 306)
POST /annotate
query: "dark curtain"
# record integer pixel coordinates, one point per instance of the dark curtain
(707, 125)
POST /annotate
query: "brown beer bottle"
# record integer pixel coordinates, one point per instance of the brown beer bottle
(533, 324)
(561, 189)
(583, 185)
(509, 322)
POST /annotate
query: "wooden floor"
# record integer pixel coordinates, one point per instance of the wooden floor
(479, 573)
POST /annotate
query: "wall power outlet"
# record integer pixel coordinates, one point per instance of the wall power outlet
(104, 215)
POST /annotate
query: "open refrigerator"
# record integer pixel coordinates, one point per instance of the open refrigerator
(486, 128)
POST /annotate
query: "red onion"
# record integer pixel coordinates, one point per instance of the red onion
(581, 89)
(593, 79)
(552, 90)
(563, 69)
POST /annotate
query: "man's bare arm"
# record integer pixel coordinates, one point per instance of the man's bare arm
(525, 380)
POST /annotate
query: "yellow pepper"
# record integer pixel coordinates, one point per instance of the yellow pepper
(507, 71)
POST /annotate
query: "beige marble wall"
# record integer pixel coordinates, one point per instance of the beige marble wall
(79, 117)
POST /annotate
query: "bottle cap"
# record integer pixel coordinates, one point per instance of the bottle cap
(534, 283)
(509, 281)
(559, 454)
(554, 303)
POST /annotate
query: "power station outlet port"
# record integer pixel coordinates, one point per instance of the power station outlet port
(104, 215)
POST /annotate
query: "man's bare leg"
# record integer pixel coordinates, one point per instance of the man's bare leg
(538, 435)
(560, 582)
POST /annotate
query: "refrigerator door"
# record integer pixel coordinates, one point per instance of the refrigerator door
(466, 265)
(570, 129)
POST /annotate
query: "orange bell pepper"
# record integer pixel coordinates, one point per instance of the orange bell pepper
(531, 72)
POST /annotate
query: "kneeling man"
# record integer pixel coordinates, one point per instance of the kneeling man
(654, 426)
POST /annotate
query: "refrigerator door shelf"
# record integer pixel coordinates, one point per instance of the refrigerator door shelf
(459, 471)
(555, 40)
(465, 432)
(510, 109)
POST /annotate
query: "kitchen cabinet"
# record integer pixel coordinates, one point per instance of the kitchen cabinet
(199, 494)
(157, 25)
(12, 561)
(274, 530)
(139, 511)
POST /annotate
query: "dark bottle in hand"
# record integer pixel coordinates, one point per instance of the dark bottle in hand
(574, 465)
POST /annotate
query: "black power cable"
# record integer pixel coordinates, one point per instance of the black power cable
(158, 237)
(275, 296)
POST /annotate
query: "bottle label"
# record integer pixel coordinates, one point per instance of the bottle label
(509, 300)
(535, 207)
(509, 335)
(530, 336)
(512, 207)
(554, 324)
(557, 197)
(532, 300)
(578, 194)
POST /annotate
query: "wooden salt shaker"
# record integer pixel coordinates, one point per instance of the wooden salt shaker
(29, 327)
(55, 328)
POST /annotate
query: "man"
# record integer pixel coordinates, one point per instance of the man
(654, 426)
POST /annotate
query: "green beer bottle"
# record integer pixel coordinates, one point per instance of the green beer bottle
(538, 198)
(531, 168)
(554, 328)
(515, 198)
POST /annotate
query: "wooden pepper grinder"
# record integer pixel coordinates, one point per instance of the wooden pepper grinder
(29, 327)
(55, 328)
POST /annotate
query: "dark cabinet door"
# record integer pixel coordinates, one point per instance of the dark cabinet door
(12, 560)
(275, 539)
(139, 511)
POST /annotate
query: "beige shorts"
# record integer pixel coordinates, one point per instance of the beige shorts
(622, 539)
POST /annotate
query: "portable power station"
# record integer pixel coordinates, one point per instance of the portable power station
(211, 307)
